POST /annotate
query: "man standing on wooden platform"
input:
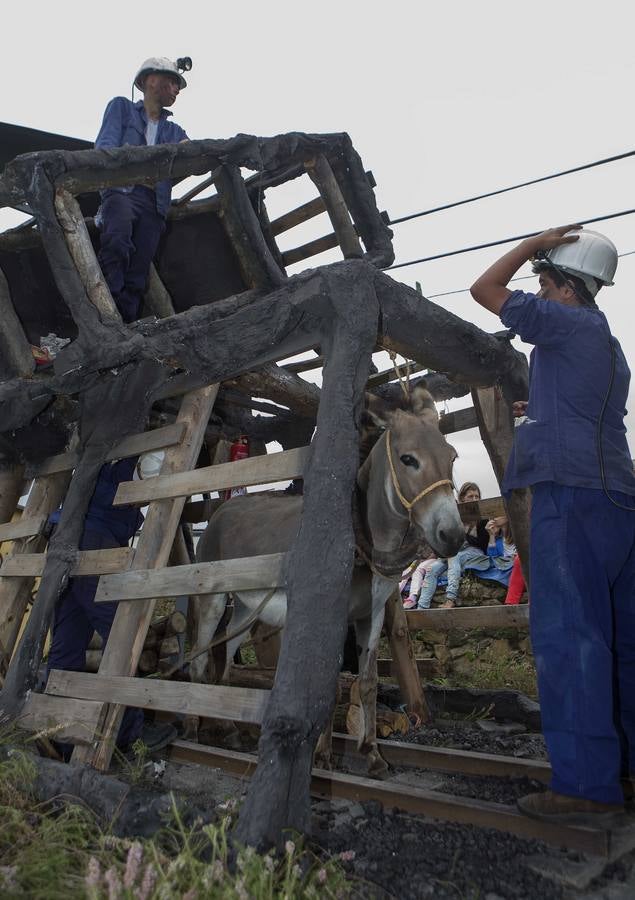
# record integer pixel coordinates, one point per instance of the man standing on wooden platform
(570, 447)
(132, 219)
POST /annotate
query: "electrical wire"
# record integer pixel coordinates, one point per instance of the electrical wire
(518, 278)
(513, 187)
(518, 237)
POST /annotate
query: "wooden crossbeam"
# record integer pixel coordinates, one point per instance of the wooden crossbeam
(459, 420)
(466, 617)
(24, 527)
(134, 445)
(75, 721)
(255, 470)
(213, 701)
(249, 573)
(89, 562)
(482, 509)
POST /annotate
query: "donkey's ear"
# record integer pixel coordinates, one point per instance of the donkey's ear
(422, 405)
(378, 410)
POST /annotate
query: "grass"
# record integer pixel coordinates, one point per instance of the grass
(58, 850)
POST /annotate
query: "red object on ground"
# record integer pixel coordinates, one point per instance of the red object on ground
(516, 585)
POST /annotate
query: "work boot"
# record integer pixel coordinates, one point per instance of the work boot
(155, 736)
(552, 807)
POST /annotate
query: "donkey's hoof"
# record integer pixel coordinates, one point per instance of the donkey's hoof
(377, 766)
(323, 761)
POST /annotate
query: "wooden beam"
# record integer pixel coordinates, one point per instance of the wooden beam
(298, 215)
(24, 527)
(211, 701)
(11, 489)
(304, 365)
(321, 174)
(312, 248)
(89, 562)
(255, 470)
(73, 721)
(81, 250)
(389, 375)
(134, 445)
(247, 574)
(157, 299)
(468, 617)
(15, 351)
(489, 508)
(427, 668)
(278, 384)
(459, 420)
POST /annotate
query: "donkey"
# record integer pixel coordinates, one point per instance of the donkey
(404, 505)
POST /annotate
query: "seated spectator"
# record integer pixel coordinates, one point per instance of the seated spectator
(501, 553)
(413, 577)
(474, 550)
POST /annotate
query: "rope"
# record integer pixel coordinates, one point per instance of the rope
(403, 381)
(221, 639)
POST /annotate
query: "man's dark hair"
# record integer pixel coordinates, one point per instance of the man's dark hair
(560, 278)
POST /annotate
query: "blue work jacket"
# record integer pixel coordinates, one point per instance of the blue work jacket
(568, 380)
(125, 124)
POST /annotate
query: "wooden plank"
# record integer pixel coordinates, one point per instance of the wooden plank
(482, 509)
(296, 216)
(24, 527)
(459, 420)
(312, 248)
(248, 573)
(74, 721)
(427, 668)
(469, 617)
(210, 700)
(134, 445)
(255, 470)
(89, 562)
(388, 375)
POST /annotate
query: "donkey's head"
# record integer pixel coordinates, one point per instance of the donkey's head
(416, 464)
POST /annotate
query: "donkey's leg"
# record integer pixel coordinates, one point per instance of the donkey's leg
(368, 632)
(207, 611)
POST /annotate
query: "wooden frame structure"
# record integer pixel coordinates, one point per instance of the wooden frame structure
(110, 378)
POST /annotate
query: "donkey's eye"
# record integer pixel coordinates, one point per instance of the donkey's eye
(408, 460)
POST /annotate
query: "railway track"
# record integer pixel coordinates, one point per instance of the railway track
(481, 813)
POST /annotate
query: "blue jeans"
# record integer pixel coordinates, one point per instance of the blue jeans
(129, 236)
(582, 622)
(454, 566)
(77, 616)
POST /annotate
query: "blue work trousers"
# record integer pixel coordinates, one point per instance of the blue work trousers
(77, 616)
(582, 622)
(130, 230)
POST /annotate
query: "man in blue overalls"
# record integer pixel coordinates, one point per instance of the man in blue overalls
(132, 219)
(570, 447)
(77, 615)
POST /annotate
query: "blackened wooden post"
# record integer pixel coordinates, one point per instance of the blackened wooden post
(15, 352)
(259, 268)
(496, 425)
(321, 174)
(319, 576)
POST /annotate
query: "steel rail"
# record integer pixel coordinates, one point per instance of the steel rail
(481, 813)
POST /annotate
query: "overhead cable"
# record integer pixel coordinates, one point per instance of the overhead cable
(513, 187)
(518, 237)
(518, 278)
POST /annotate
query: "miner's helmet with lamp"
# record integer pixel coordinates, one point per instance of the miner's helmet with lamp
(592, 260)
(163, 66)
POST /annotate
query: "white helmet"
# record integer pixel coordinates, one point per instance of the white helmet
(592, 256)
(149, 465)
(159, 64)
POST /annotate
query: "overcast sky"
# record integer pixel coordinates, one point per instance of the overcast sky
(442, 102)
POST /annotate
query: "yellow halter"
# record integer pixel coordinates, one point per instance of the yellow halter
(408, 504)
